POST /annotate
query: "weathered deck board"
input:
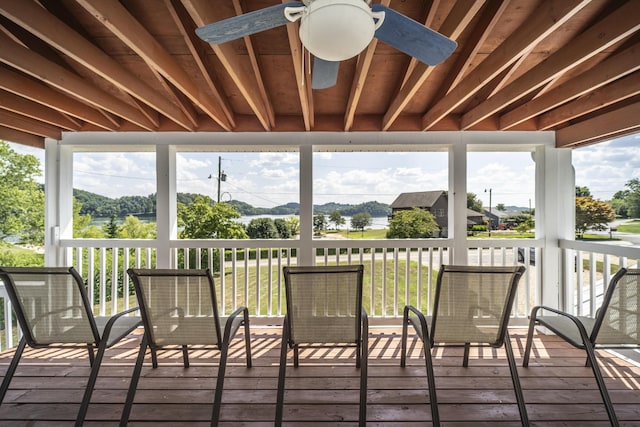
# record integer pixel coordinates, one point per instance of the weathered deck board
(559, 390)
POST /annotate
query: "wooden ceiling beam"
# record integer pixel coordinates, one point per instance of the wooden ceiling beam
(187, 28)
(30, 63)
(26, 124)
(71, 43)
(615, 27)
(255, 65)
(547, 18)
(610, 94)
(114, 16)
(204, 12)
(624, 120)
(457, 20)
(19, 137)
(362, 70)
(44, 95)
(25, 107)
(488, 20)
(610, 69)
(302, 82)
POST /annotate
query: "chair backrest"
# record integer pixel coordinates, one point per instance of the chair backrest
(51, 305)
(178, 307)
(618, 320)
(324, 303)
(473, 303)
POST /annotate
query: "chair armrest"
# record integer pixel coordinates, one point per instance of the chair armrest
(230, 320)
(581, 329)
(112, 320)
(424, 329)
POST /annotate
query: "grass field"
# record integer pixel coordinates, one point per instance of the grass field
(630, 227)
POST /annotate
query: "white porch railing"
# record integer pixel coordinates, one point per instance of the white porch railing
(397, 272)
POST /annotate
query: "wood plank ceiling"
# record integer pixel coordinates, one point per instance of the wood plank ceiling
(136, 65)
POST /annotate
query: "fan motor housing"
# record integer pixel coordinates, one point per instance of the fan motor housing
(335, 30)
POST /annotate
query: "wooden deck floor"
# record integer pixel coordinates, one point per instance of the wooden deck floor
(559, 390)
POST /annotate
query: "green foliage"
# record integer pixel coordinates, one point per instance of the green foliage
(262, 228)
(336, 218)
(319, 223)
(592, 213)
(202, 220)
(283, 228)
(13, 256)
(22, 207)
(474, 203)
(412, 223)
(632, 200)
(133, 228)
(582, 192)
(110, 229)
(501, 207)
(360, 220)
(294, 225)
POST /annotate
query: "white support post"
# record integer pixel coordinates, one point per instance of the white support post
(555, 216)
(166, 210)
(457, 221)
(58, 202)
(306, 255)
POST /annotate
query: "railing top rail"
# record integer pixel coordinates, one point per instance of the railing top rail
(612, 249)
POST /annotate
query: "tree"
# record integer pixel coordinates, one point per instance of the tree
(319, 223)
(262, 228)
(294, 225)
(337, 219)
(360, 220)
(582, 192)
(202, 220)
(283, 228)
(110, 229)
(22, 207)
(592, 213)
(501, 207)
(82, 227)
(632, 201)
(474, 203)
(412, 224)
(619, 204)
(133, 228)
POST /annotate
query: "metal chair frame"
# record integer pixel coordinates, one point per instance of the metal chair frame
(360, 343)
(426, 329)
(102, 339)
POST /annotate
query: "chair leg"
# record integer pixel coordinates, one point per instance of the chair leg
(247, 342)
(465, 359)
(91, 354)
(362, 416)
(217, 400)
(91, 383)
(524, 417)
(135, 377)
(154, 358)
(282, 373)
(403, 348)
(12, 368)
(527, 349)
(296, 356)
(591, 355)
(185, 356)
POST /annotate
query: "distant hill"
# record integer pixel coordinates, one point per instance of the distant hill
(101, 206)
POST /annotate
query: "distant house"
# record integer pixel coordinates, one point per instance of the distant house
(435, 202)
(496, 217)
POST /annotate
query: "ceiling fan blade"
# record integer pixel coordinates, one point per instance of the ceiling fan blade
(325, 73)
(246, 24)
(413, 38)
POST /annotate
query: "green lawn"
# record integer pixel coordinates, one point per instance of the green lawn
(630, 227)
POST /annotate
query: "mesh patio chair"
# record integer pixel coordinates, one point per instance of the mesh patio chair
(179, 309)
(53, 310)
(324, 307)
(615, 326)
(472, 306)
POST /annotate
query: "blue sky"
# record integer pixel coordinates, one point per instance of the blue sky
(270, 179)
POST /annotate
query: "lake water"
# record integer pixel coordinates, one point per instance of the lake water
(376, 222)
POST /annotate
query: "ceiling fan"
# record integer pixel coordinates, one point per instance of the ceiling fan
(335, 30)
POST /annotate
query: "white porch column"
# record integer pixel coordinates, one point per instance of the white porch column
(555, 216)
(457, 221)
(58, 202)
(166, 213)
(306, 255)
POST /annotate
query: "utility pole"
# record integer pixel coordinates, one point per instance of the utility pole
(490, 218)
(221, 176)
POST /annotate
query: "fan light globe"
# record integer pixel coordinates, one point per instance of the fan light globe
(335, 30)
